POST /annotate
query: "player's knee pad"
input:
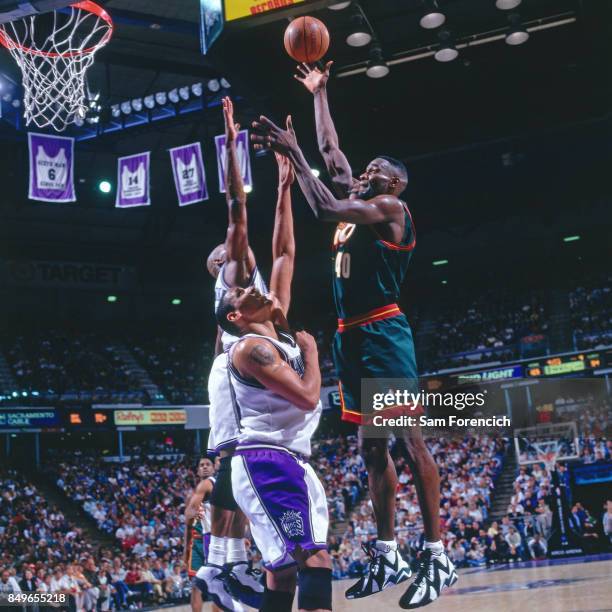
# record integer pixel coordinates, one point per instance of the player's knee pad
(315, 588)
(276, 601)
(222, 495)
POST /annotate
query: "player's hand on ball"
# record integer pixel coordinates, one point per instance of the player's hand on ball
(306, 342)
(269, 136)
(312, 78)
(231, 128)
(286, 176)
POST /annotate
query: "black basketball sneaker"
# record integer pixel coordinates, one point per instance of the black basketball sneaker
(381, 574)
(437, 572)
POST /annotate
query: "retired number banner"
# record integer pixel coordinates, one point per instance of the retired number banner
(242, 149)
(189, 175)
(133, 180)
(51, 168)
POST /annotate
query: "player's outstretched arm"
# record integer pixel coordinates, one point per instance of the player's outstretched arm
(259, 359)
(239, 260)
(336, 162)
(283, 240)
(326, 207)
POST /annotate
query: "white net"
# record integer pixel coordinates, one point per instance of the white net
(54, 52)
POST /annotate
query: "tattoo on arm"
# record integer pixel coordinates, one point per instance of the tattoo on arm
(262, 355)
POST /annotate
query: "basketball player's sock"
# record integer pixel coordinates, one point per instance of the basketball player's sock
(437, 572)
(386, 568)
(243, 583)
(217, 550)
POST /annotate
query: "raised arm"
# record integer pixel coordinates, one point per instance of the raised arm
(283, 240)
(326, 207)
(240, 262)
(336, 162)
(259, 359)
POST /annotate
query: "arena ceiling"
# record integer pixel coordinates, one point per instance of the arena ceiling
(499, 132)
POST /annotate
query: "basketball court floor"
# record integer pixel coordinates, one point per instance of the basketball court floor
(573, 585)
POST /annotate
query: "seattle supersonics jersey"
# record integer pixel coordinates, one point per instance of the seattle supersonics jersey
(266, 417)
(221, 288)
(205, 521)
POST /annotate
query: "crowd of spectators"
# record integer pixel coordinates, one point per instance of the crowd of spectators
(490, 327)
(591, 314)
(178, 362)
(54, 365)
(42, 551)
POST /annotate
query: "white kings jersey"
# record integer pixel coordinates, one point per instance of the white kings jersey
(266, 417)
(221, 288)
(224, 419)
(205, 520)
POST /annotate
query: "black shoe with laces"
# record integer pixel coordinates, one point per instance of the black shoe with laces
(381, 573)
(436, 573)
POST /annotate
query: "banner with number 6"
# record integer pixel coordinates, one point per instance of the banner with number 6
(133, 177)
(189, 175)
(51, 168)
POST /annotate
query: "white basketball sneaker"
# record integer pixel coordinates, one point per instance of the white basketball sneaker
(210, 580)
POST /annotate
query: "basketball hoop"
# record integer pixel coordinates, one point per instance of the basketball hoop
(54, 63)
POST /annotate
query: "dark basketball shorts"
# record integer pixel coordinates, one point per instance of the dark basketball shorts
(374, 348)
(198, 552)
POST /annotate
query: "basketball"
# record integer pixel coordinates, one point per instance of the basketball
(306, 39)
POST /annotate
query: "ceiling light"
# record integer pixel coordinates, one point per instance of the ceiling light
(149, 102)
(315, 172)
(248, 189)
(161, 98)
(224, 83)
(173, 96)
(184, 93)
(339, 6)
(360, 33)
(16, 103)
(214, 85)
(506, 5)
(105, 186)
(377, 67)
(517, 35)
(196, 89)
(447, 51)
(115, 111)
(432, 17)
(137, 104)
(176, 302)
(126, 108)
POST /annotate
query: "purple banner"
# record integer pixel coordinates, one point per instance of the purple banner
(51, 168)
(242, 149)
(189, 175)
(133, 181)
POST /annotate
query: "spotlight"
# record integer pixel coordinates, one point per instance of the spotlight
(16, 103)
(137, 104)
(360, 33)
(115, 111)
(126, 108)
(105, 187)
(214, 85)
(196, 89)
(517, 35)
(111, 298)
(7, 97)
(224, 83)
(173, 96)
(315, 172)
(161, 98)
(93, 120)
(506, 5)
(447, 51)
(149, 102)
(248, 189)
(78, 120)
(184, 93)
(377, 67)
(338, 6)
(433, 17)
(176, 302)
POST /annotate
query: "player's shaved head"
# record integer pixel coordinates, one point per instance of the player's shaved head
(226, 307)
(215, 260)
